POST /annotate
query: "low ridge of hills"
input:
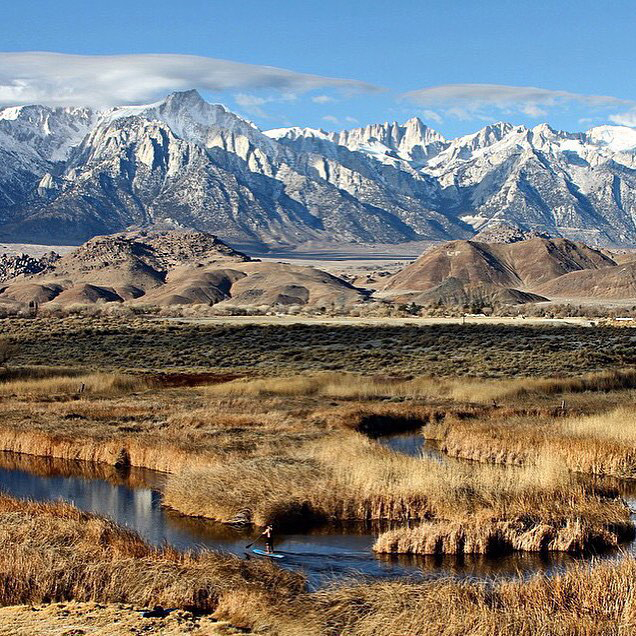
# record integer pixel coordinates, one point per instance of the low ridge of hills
(522, 271)
(173, 268)
(177, 267)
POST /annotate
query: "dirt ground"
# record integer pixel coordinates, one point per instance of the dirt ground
(94, 619)
(348, 320)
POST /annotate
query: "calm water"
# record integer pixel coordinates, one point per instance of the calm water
(412, 444)
(134, 500)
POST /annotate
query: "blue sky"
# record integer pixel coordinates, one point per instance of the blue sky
(456, 64)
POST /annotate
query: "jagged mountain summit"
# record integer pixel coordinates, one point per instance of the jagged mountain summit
(67, 174)
(574, 185)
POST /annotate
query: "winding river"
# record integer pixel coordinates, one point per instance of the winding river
(325, 554)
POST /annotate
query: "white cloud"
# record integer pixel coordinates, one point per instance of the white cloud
(432, 115)
(322, 99)
(339, 121)
(59, 79)
(467, 101)
(624, 119)
(533, 110)
(252, 103)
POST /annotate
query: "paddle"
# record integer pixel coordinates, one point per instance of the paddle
(251, 544)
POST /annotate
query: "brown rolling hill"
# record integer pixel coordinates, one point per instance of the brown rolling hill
(523, 264)
(503, 272)
(174, 268)
(615, 283)
(254, 284)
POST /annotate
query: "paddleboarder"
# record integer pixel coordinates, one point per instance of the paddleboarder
(268, 535)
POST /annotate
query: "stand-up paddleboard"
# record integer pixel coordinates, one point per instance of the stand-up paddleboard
(268, 554)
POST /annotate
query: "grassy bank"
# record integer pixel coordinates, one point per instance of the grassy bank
(54, 553)
(463, 390)
(595, 601)
(291, 451)
(599, 444)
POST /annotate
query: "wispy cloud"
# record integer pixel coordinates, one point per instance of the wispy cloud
(322, 99)
(106, 80)
(466, 101)
(624, 119)
(347, 119)
(252, 103)
(432, 115)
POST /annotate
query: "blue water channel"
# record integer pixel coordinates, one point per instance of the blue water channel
(133, 499)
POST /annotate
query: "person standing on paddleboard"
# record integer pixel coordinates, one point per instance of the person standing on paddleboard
(268, 535)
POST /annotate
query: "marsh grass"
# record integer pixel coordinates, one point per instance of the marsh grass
(95, 383)
(523, 534)
(54, 552)
(597, 600)
(354, 386)
(346, 477)
(599, 444)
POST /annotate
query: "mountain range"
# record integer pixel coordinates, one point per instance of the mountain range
(68, 174)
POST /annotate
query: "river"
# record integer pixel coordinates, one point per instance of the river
(328, 553)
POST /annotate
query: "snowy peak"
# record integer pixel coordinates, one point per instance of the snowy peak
(189, 117)
(45, 133)
(181, 161)
(296, 132)
(615, 138)
(412, 141)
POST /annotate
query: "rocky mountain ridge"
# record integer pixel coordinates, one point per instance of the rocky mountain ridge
(67, 174)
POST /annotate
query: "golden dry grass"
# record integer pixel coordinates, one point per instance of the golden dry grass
(348, 477)
(41, 383)
(293, 458)
(355, 386)
(54, 552)
(500, 537)
(265, 455)
(590, 601)
(599, 444)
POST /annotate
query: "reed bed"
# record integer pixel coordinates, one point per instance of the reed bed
(54, 552)
(600, 444)
(349, 477)
(597, 600)
(467, 389)
(69, 385)
(501, 537)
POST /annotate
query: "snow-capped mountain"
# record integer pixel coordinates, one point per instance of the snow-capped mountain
(576, 185)
(67, 174)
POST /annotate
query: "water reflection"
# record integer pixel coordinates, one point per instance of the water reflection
(331, 552)
(413, 444)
